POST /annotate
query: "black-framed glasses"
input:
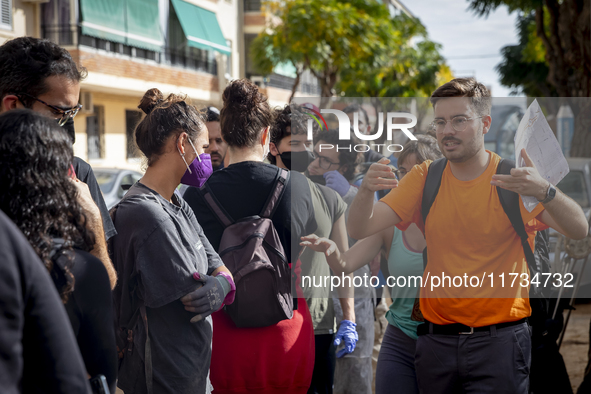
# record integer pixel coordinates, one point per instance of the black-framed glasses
(64, 115)
(458, 123)
(324, 162)
(400, 173)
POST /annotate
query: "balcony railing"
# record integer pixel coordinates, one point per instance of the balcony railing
(252, 5)
(283, 82)
(68, 35)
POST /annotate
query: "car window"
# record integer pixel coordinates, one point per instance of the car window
(126, 182)
(573, 185)
(106, 180)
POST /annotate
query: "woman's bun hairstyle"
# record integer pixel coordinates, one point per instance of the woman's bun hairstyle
(165, 117)
(245, 114)
(151, 99)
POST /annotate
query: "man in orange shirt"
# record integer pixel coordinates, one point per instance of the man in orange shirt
(476, 339)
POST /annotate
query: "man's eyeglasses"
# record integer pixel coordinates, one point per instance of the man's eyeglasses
(323, 162)
(64, 115)
(458, 123)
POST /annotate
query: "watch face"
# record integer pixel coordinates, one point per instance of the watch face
(551, 192)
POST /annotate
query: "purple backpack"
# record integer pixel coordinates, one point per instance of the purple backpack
(252, 251)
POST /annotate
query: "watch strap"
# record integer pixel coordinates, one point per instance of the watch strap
(550, 194)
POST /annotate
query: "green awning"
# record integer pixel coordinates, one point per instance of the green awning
(130, 22)
(201, 27)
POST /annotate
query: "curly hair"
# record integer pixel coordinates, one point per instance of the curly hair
(165, 117)
(287, 121)
(25, 63)
(37, 194)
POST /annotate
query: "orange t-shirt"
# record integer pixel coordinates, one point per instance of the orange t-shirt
(467, 233)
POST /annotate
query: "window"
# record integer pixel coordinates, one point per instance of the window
(95, 133)
(132, 118)
(252, 5)
(6, 14)
(56, 23)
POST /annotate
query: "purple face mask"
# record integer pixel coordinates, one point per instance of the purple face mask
(198, 171)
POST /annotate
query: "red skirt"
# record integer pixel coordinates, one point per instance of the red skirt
(278, 359)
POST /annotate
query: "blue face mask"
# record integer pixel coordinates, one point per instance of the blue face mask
(198, 171)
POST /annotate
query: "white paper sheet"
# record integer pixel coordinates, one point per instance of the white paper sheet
(535, 135)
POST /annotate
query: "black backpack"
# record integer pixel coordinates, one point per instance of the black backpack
(252, 251)
(548, 372)
(538, 261)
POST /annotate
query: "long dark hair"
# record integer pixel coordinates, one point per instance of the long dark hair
(35, 157)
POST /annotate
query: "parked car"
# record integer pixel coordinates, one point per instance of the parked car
(114, 183)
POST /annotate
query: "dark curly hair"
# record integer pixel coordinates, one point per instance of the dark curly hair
(286, 117)
(347, 156)
(165, 117)
(245, 114)
(35, 157)
(25, 63)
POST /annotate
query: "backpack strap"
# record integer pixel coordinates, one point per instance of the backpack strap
(147, 352)
(215, 206)
(432, 184)
(276, 194)
(510, 202)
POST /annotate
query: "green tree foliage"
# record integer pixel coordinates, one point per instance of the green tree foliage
(524, 68)
(552, 57)
(323, 36)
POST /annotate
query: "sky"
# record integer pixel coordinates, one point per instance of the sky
(466, 37)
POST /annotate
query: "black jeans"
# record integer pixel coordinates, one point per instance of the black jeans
(324, 364)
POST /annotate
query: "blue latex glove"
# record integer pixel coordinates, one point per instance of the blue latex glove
(348, 336)
(337, 182)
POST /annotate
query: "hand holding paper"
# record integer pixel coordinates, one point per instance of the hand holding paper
(526, 181)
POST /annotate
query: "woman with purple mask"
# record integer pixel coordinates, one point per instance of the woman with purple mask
(170, 278)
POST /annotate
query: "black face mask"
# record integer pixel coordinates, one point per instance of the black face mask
(69, 128)
(319, 179)
(297, 161)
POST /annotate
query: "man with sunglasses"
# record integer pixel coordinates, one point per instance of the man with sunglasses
(41, 76)
(475, 339)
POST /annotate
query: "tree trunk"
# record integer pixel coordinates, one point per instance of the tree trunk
(296, 83)
(568, 53)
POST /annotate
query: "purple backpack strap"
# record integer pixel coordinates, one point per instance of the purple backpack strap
(215, 206)
(276, 194)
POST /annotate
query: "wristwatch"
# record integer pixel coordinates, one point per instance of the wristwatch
(550, 194)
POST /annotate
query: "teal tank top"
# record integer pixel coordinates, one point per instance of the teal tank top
(403, 263)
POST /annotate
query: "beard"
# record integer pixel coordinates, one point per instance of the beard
(466, 149)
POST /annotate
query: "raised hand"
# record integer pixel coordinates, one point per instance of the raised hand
(317, 244)
(526, 181)
(337, 182)
(379, 177)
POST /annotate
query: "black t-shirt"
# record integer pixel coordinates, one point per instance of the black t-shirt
(38, 352)
(90, 309)
(243, 188)
(84, 173)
